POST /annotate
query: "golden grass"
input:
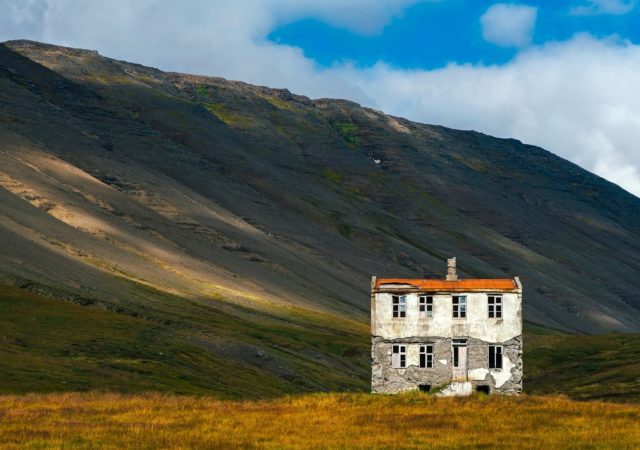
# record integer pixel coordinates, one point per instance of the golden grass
(103, 420)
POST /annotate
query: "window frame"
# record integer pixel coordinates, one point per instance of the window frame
(494, 306)
(496, 357)
(425, 306)
(459, 304)
(399, 306)
(399, 361)
(426, 356)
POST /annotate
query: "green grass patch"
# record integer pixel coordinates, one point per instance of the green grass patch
(202, 91)
(347, 131)
(231, 118)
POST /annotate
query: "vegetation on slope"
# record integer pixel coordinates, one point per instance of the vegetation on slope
(49, 345)
(314, 421)
(584, 367)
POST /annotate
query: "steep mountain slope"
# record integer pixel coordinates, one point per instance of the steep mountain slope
(122, 184)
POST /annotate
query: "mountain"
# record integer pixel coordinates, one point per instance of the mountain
(246, 222)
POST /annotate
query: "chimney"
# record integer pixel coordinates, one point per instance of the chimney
(452, 275)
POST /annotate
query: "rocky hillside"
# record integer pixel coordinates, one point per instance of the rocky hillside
(137, 191)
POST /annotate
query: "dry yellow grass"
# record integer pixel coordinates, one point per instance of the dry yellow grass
(99, 420)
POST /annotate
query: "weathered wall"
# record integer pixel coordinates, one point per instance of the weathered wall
(439, 330)
(476, 324)
(385, 379)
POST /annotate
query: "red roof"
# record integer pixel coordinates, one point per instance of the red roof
(499, 284)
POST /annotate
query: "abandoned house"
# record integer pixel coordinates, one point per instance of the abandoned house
(458, 336)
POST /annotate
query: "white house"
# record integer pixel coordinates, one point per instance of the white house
(451, 334)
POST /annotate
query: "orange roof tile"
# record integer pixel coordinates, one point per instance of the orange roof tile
(499, 284)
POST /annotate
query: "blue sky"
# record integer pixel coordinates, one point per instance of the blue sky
(561, 75)
(433, 34)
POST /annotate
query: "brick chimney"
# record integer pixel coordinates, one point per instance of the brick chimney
(452, 275)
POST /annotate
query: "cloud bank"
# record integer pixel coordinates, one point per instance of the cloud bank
(577, 98)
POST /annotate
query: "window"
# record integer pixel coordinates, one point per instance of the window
(495, 357)
(426, 306)
(399, 306)
(426, 356)
(495, 307)
(399, 357)
(460, 306)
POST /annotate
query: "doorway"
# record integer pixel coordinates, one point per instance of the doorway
(459, 350)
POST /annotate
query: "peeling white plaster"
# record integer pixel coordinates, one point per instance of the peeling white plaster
(504, 375)
(456, 390)
(478, 374)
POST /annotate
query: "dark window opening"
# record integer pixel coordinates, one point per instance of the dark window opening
(399, 305)
(426, 356)
(424, 387)
(459, 306)
(495, 307)
(426, 306)
(495, 357)
(483, 389)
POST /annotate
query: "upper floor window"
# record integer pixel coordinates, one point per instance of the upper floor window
(426, 356)
(399, 357)
(495, 307)
(459, 306)
(399, 306)
(495, 357)
(426, 306)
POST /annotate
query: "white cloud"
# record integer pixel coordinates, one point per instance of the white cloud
(576, 98)
(509, 25)
(595, 7)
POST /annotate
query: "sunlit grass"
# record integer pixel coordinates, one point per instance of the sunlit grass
(97, 420)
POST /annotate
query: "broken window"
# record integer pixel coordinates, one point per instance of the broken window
(495, 307)
(399, 306)
(399, 357)
(495, 357)
(426, 306)
(426, 356)
(459, 306)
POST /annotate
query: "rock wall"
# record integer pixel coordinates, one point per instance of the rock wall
(389, 380)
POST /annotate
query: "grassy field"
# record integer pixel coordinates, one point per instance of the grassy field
(313, 421)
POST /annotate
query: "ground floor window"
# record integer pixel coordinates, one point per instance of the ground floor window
(399, 357)
(426, 356)
(495, 357)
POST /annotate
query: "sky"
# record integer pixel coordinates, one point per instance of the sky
(559, 74)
